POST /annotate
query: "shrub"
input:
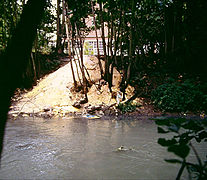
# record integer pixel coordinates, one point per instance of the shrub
(127, 107)
(179, 97)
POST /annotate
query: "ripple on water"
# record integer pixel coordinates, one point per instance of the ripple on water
(83, 149)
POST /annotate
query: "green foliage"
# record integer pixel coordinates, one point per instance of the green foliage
(87, 46)
(9, 16)
(127, 107)
(46, 30)
(79, 10)
(181, 143)
(179, 97)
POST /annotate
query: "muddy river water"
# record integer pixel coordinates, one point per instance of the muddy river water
(76, 148)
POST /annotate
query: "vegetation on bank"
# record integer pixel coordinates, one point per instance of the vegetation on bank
(173, 96)
(155, 45)
(43, 58)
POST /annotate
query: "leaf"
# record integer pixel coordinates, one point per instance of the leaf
(164, 142)
(162, 122)
(193, 125)
(174, 128)
(179, 121)
(181, 150)
(202, 135)
(185, 138)
(173, 161)
(161, 130)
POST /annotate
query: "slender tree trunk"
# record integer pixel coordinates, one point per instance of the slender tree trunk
(58, 42)
(75, 52)
(97, 41)
(117, 39)
(68, 30)
(130, 51)
(82, 65)
(36, 59)
(34, 68)
(131, 38)
(110, 42)
(104, 43)
(87, 74)
(63, 26)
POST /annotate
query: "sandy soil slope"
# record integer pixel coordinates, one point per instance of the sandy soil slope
(53, 94)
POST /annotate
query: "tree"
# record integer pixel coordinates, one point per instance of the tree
(58, 42)
(97, 41)
(10, 13)
(16, 55)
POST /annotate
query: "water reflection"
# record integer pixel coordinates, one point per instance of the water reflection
(78, 148)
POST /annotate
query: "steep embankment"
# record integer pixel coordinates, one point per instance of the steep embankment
(54, 94)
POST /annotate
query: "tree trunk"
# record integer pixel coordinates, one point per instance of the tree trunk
(75, 52)
(34, 68)
(58, 42)
(63, 26)
(68, 30)
(16, 56)
(97, 41)
(37, 60)
(106, 76)
(81, 60)
(110, 42)
(117, 39)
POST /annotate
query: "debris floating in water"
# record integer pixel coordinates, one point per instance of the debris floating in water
(89, 116)
(122, 148)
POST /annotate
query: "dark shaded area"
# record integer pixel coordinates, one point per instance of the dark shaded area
(15, 58)
(44, 64)
(186, 133)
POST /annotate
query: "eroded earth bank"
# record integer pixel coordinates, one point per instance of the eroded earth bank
(54, 95)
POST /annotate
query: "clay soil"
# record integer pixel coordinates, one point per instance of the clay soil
(54, 95)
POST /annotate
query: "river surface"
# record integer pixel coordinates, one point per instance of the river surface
(75, 148)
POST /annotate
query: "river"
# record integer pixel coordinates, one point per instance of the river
(77, 148)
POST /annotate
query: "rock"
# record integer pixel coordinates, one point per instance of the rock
(46, 109)
(98, 107)
(46, 116)
(83, 101)
(101, 113)
(91, 109)
(102, 82)
(14, 115)
(77, 105)
(13, 112)
(107, 112)
(25, 115)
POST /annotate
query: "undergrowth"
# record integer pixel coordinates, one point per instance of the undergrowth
(127, 107)
(184, 96)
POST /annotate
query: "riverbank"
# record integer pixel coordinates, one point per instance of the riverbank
(55, 96)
